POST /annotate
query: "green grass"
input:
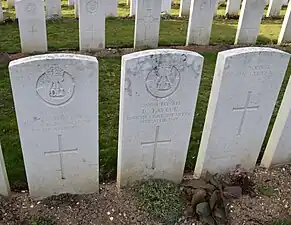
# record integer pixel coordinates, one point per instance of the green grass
(162, 200)
(64, 34)
(267, 191)
(109, 107)
(281, 222)
(41, 220)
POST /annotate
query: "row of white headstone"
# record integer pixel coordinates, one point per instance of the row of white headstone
(56, 103)
(201, 12)
(232, 7)
(54, 8)
(32, 24)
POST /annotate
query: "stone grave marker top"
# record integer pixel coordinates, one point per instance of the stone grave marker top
(56, 102)
(4, 183)
(243, 95)
(157, 103)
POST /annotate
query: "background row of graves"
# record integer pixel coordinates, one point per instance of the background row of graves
(57, 109)
(33, 35)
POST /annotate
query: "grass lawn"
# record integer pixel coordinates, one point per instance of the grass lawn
(281, 222)
(64, 34)
(108, 106)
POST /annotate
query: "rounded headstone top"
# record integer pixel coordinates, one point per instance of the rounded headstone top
(46, 57)
(246, 50)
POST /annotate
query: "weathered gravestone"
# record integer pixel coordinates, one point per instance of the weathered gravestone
(32, 25)
(76, 8)
(132, 9)
(53, 9)
(147, 23)
(285, 33)
(185, 8)
(4, 183)
(158, 96)
(166, 6)
(274, 8)
(232, 7)
(56, 102)
(250, 18)
(91, 24)
(278, 150)
(111, 7)
(71, 2)
(10, 3)
(243, 95)
(200, 22)
(1, 13)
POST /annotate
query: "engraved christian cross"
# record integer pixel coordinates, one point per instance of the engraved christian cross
(61, 153)
(244, 109)
(155, 143)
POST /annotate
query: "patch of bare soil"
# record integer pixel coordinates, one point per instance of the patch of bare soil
(108, 207)
(272, 200)
(269, 199)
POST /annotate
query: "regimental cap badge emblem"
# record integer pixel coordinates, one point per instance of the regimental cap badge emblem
(92, 6)
(31, 8)
(163, 81)
(55, 86)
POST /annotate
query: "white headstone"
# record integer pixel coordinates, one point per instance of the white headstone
(232, 7)
(274, 8)
(56, 102)
(166, 6)
(91, 25)
(4, 183)
(249, 22)
(71, 2)
(200, 22)
(245, 87)
(111, 7)
(53, 8)
(158, 96)
(285, 33)
(185, 8)
(147, 23)
(1, 13)
(278, 150)
(132, 9)
(76, 8)
(32, 25)
(10, 3)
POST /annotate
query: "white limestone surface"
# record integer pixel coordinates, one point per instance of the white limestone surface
(56, 103)
(245, 88)
(157, 103)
